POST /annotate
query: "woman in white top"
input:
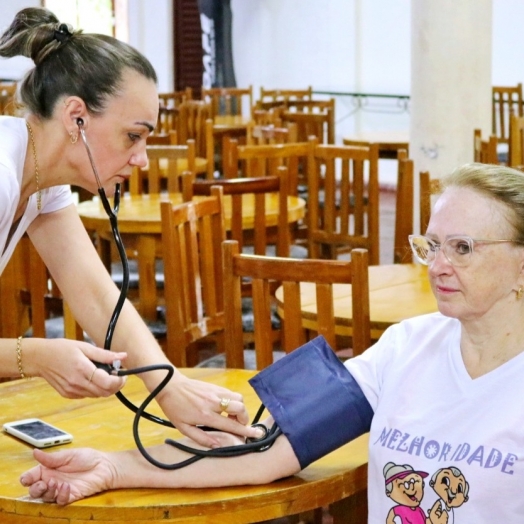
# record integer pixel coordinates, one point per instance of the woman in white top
(110, 89)
(443, 392)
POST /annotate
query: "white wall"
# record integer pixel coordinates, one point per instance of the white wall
(13, 68)
(150, 31)
(352, 45)
(334, 45)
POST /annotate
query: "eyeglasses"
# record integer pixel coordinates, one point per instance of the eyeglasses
(457, 249)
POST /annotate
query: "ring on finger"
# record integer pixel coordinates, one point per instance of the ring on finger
(224, 403)
(92, 375)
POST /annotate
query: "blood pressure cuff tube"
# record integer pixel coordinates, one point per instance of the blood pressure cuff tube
(314, 400)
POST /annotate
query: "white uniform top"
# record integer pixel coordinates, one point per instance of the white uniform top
(13, 146)
(430, 414)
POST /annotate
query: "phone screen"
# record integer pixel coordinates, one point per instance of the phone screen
(38, 430)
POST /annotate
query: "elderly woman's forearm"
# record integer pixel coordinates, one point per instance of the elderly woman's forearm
(133, 471)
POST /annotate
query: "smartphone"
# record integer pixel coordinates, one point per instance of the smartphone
(37, 432)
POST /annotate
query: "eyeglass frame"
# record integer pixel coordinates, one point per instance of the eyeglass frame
(438, 246)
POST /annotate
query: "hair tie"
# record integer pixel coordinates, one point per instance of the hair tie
(63, 32)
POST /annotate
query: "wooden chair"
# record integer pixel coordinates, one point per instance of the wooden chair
(506, 101)
(427, 188)
(318, 124)
(268, 117)
(403, 210)
(192, 234)
(253, 191)
(277, 95)
(228, 100)
(343, 200)
(165, 167)
(264, 159)
(485, 151)
(195, 123)
(175, 98)
(261, 240)
(260, 135)
(167, 122)
(516, 142)
(263, 271)
(32, 304)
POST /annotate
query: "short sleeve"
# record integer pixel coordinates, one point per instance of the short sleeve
(56, 198)
(370, 368)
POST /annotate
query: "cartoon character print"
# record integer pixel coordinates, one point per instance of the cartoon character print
(451, 486)
(405, 486)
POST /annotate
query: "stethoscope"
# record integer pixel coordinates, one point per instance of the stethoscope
(251, 445)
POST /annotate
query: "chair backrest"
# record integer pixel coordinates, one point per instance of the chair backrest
(348, 214)
(427, 188)
(192, 116)
(506, 101)
(164, 171)
(254, 192)
(484, 151)
(175, 98)
(258, 134)
(228, 100)
(167, 121)
(30, 297)
(403, 210)
(285, 94)
(265, 159)
(192, 234)
(312, 124)
(262, 271)
(516, 142)
(163, 139)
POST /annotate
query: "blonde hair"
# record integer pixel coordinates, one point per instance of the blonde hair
(501, 183)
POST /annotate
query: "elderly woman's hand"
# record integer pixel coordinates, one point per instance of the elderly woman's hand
(69, 475)
(68, 367)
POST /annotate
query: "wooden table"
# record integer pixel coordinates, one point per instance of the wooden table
(396, 292)
(339, 478)
(140, 225)
(389, 142)
(230, 124)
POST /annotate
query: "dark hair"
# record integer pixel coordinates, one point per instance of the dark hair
(68, 63)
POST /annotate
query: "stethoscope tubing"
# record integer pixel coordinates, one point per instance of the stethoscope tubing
(252, 445)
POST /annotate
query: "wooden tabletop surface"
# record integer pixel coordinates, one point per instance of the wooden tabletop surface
(141, 213)
(397, 292)
(226, 123)
(140, 224)
(107, 425)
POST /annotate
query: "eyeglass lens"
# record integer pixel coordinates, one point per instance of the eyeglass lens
(456, 250)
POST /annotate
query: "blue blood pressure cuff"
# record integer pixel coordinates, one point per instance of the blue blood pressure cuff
(314, 400)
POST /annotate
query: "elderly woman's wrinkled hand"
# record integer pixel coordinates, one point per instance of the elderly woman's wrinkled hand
(69, 475)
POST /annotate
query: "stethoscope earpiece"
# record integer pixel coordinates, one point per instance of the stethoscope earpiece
(79, 122)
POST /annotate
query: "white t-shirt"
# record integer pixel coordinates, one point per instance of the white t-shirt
(430, 414)
(13, 146)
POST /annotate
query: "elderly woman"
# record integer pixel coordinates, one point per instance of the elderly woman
(444, 388)
(99, 86)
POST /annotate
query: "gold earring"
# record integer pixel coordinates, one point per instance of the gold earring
(520, 292)
(73, 137)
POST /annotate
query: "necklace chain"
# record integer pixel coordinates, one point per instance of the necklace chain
(38, 192)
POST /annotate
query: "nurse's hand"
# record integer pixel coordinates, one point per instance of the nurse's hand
(188, 403)
(68, 366)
